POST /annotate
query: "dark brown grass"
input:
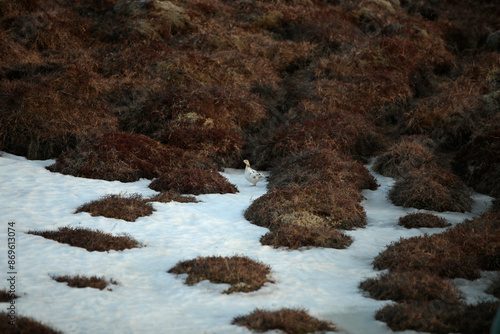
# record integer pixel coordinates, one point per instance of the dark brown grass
(24, 325)
(325, 166)
(193, 181)
(6, 296)
(434, 189)
(119, 206)
(411, 286)
(123, 157)
(462, 251)
(403, 157)
(171, 195)
(89, 239)
(288, 320)
(85, 282)
(422, 219)
(242, 273)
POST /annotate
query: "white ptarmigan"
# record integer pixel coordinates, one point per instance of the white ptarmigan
(252, 175)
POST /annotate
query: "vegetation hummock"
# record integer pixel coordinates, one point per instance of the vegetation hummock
(23, 325)
(422, 219)
(118, 206)
(241, 272)
(89, 239)
(84, 282)
(288, 320)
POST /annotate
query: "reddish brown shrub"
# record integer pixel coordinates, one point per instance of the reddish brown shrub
(193, 181)
(118, 206)
(411, 286)
(431, 188)
(85, 282)
(6, 296)
(89, 239)
(124, 157)
(171, 195)
(409, 154)
(23, 325)
(320, 203)
(478, 163)
(290, 321)
(422, 219)
(323, 166)
(242, 273)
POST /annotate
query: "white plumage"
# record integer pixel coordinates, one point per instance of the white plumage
(251, 174)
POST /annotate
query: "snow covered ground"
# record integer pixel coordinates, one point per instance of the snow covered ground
(149, 300)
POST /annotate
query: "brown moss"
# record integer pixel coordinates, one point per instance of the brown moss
(422, 219)
(118, 206)
(193, 181)
(242, 273)
(411, 286)
(290, 321)
(24, 325)
(431, 188)
(121, 156)
(89, 239)
(84, 282)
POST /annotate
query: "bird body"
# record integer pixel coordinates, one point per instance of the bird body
(251, 174)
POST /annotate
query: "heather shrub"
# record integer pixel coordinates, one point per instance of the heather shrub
(172, 195)
(118, 206)
(422, 219)
(242, 273)
(89, 239)
(6, 296)
(431, 188)
(414, 285)
(123, 157)
(193, 181)
(288, 320)
(84, 282)
(24, 325)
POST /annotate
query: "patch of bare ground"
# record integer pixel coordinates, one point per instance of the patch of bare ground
(171, 195)
(414, 285)
(431, 188)
(241, 272)
(422, 219)
(193, 181)
(23, 325)
(288, 320)
(89, 239)
(118, 206)
(462, 251)
(85, 282)
(123, 157)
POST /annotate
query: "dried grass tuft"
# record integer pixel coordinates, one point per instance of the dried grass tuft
(119, 206)
(193, 181)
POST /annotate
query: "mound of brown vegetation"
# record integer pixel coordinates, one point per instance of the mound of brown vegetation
(422, 219)
(478, 163)
(118, 206)
(288, 320)
(85, 282)
(411, 286)
(23, 325)
(193, 181)
(6, 296)
(89, 239)
(170, 195)
(123, 157)
(408, 154)
(242, 273)
(462, 251)
(434, 189)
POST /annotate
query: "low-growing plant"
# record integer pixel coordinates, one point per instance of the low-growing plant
(414, 285)
(422, 219)
(6, 296)
(118, 206)
(494, 288)
(193, 181)
(172, 195)
(241, 272)
(85, 282)
(434, 189)
(89, 239)
(288, 320)
(23, 325)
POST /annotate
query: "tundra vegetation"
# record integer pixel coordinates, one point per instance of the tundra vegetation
(310, 90)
